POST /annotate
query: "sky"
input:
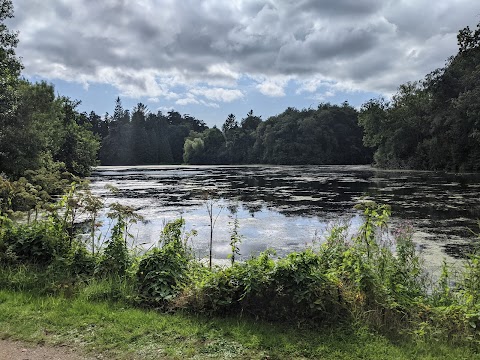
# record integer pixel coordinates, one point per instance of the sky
(214, 57)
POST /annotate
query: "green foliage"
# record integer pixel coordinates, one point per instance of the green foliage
(431, 124)
(376, 218)
(80, 262)
(45, 128)
(193, 150)
(471, 280)
(206, 148)
(10, 68)
(37, 243)
(78, 146)
(144, 137)
(160, 275)
(115, 258)
(35, 124)
(123, 216)
(355, 279)
(326, 135)
(51, 177)
(373, 279)
(293, 288)
(163, 271)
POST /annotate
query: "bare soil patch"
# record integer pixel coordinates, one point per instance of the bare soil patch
(14, 350)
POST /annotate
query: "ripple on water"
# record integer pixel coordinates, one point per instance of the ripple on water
(285, 207)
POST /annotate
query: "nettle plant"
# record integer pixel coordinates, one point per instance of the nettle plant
(115, 258)
(163, 271)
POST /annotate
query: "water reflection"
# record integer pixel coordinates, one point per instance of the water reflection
(284, 206)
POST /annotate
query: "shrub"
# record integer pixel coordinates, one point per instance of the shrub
(37, 243)
(162, 272)
(305, 290)
(115, 259)
(80, 261)
(293, 288)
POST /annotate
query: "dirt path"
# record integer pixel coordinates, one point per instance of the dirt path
(13, 350)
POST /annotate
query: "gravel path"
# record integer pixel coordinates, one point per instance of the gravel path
(14, 350)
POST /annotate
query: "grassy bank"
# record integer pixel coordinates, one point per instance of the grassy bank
(119, 331)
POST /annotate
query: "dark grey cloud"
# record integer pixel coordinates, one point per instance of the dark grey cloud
(148, 46)
(339, 7)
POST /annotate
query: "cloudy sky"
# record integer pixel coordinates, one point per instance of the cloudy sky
(215, 57)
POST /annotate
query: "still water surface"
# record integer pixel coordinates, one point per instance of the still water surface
(289, 207)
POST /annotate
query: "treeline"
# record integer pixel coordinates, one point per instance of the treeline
(42, 136)
(329, 134)
(433, 124)
(141, 137)
(44, 131)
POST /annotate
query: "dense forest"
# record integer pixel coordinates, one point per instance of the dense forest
(432, 124)
(329, 134)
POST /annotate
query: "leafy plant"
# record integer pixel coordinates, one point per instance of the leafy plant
(123, 216)
(92, 205)
(36, 243)
(163, 271)
(115, 259)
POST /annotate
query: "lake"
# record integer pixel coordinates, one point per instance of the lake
(287, 208)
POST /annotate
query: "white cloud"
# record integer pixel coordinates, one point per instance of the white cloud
(164, 48)
(187, 101)
(323, 96)
(273, 87)
(221, 74)
(210, 104)
(165, 109)
(218, 94)
(312, 83)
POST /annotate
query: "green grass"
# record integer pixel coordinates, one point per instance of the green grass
(119, 331)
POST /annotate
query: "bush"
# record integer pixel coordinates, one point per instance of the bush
(162, 272)
(37, 243)
(357, 278)
(77, 264)
(160, 275)
(294, 288)
(115, 259)
(81, 262)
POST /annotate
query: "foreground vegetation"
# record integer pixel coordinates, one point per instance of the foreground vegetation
(370, 287)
